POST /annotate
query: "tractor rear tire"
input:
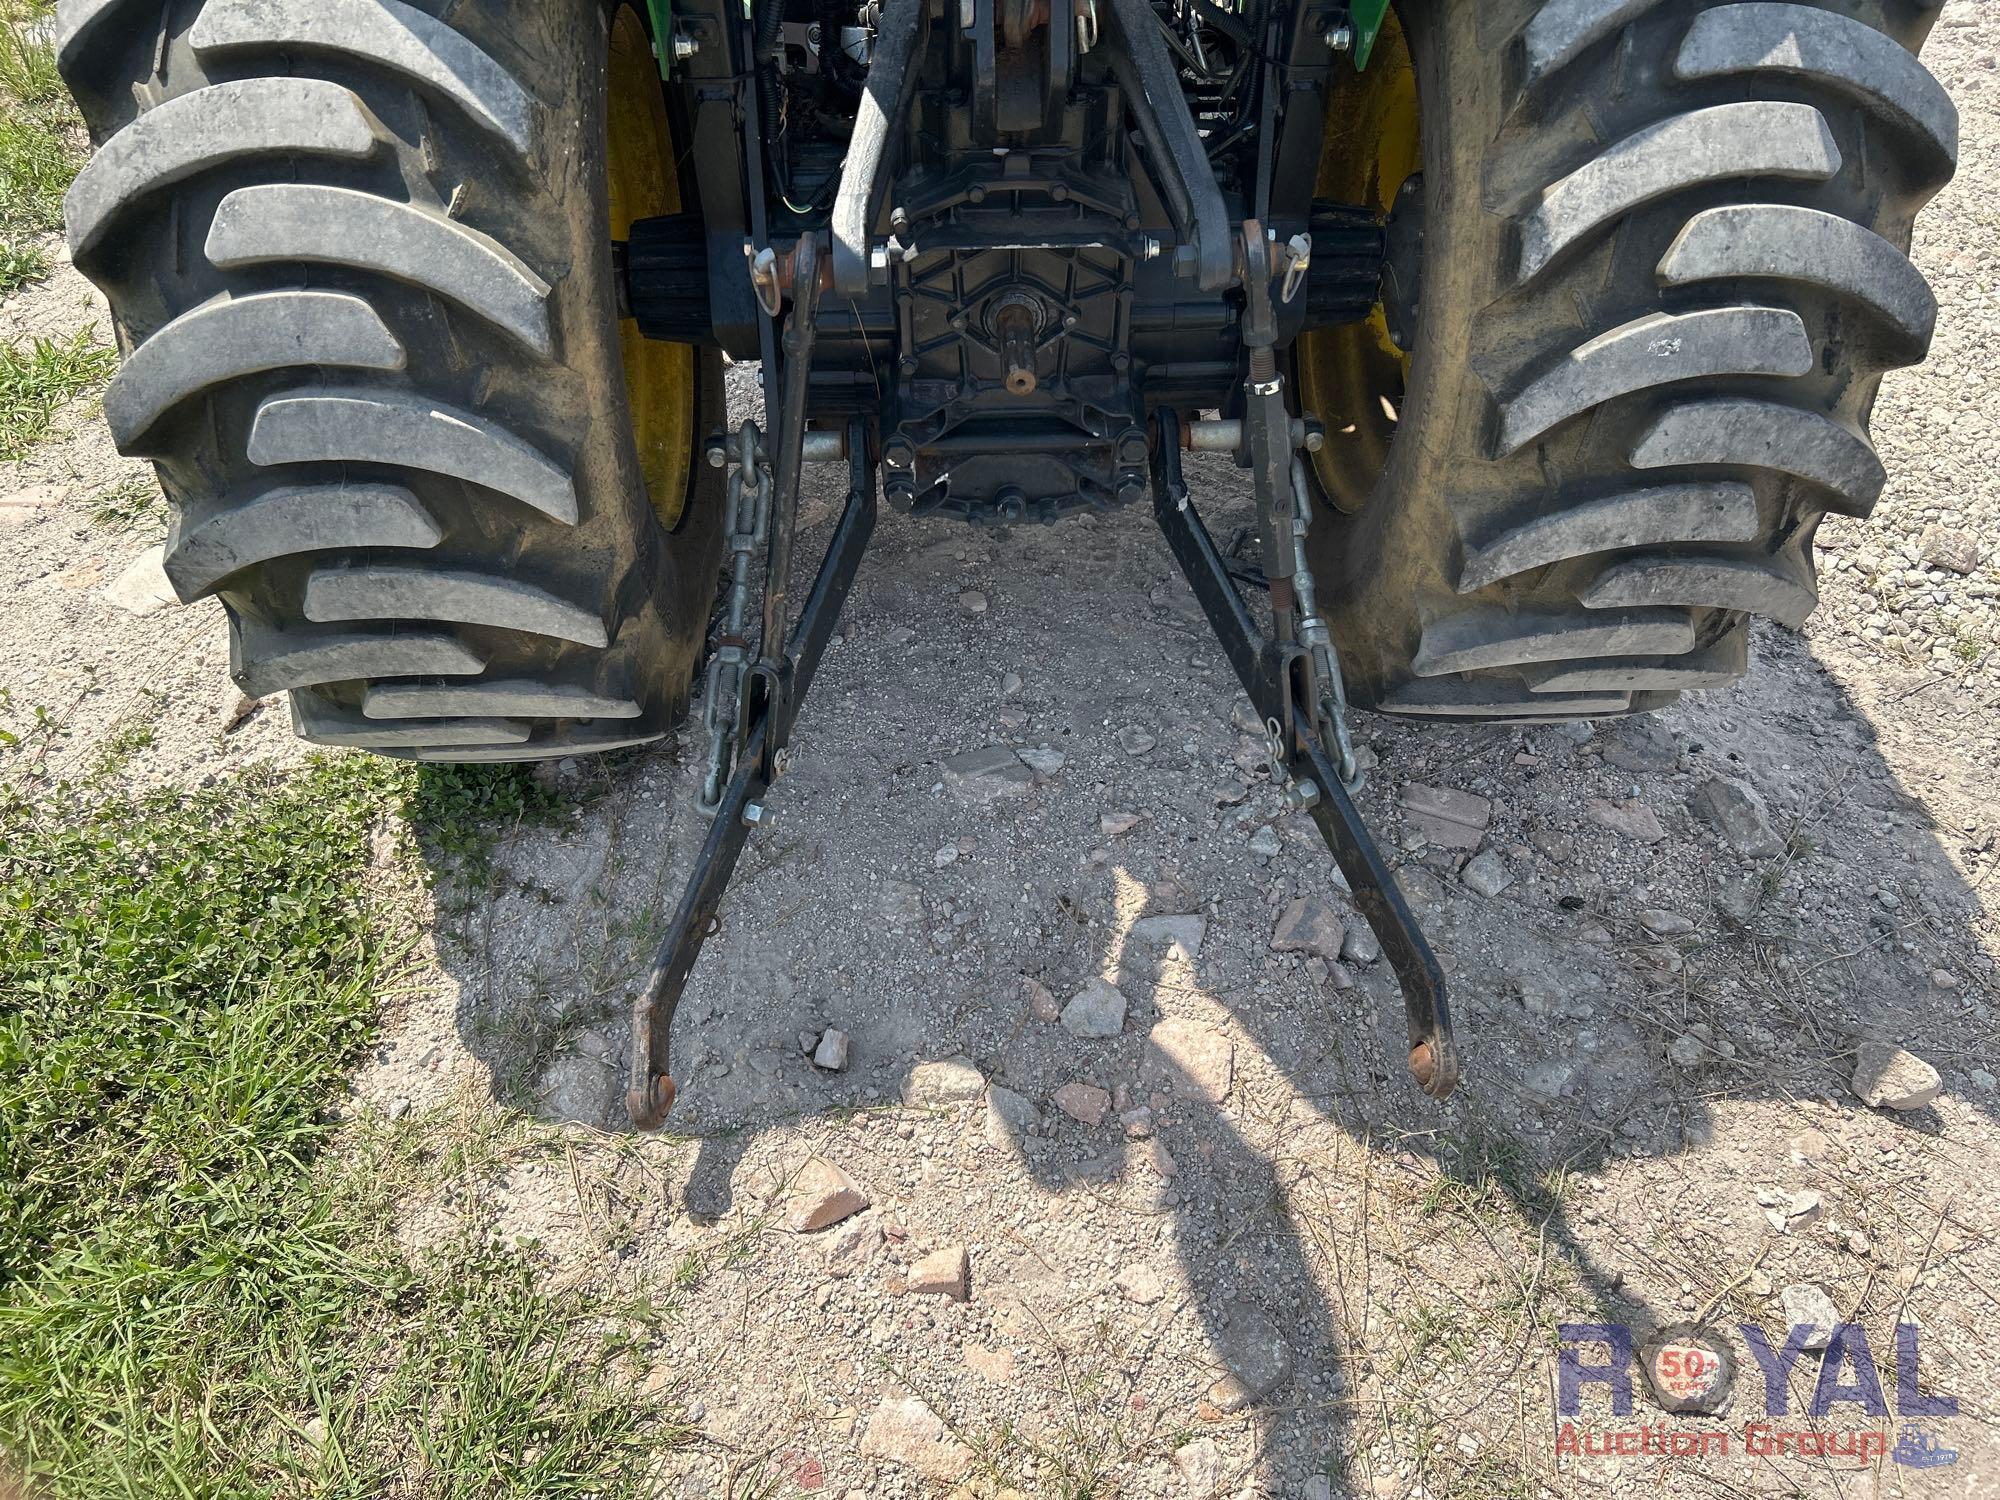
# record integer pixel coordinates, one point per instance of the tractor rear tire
(359, 262)
(1663, 270)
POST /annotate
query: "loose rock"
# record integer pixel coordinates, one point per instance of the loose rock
(988, 775)
(1264, 843)
(1115, 824)
(1738, 897)
(1043, 760)
(831, 1053)
(905, 1431)
(1134, 740)
(1256, 1354)
(1041, 1004)
(1808, 1306)
(143, 589)
(1083, 1102)
(1449, 819)
(1097, 1010)
(1632, 818)
(1309, 925)
(1738, 813)
(1010, 1119)
(1665, 923)
(852, 1246)
(1942, 547)
(930, 1085)
(1359, 945)
(972, 601)
(902, 904)
(241, 707)
(1887, 1077)
(820, 1195)
(942, 1273)
(1199, 1465)
(1643, 745)
(1141, 1284)
(1487, 874)
(1182, 934)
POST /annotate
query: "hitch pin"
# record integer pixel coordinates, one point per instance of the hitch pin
(1301, 248)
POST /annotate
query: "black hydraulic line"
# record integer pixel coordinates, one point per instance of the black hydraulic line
(1433, 1059)
(769, 23)
(1267, 124)
(1152, 89)
(649, 1092)
(885, 99)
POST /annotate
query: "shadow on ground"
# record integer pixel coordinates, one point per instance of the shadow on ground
(1642, 1110)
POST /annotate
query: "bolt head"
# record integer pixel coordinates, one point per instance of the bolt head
(1339, 38)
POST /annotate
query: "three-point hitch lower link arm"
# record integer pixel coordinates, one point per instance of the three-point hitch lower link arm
(766, 727)
(1261, 666)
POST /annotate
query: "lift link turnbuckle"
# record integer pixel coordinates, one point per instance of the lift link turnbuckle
(1327, 686)
(1312, 676)
(748, 522)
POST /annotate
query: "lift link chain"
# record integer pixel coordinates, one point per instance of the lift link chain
(748, 520)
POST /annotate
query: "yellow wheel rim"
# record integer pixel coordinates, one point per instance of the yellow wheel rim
(1352, 376)
(645, 183)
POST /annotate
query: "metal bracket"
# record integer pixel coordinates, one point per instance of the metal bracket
(1433, 1053)
(1145, 71)
(662, 12)
(1367, 17)
(884, 101)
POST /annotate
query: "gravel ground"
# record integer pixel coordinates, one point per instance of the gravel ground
(1223, 1247)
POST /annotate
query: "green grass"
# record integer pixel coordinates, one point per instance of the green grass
(41, 141)
(37, 162)
(131, 502)
(39, 377)
(28, 67)
(21, 265)
(198, 1297)
(41, 145)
